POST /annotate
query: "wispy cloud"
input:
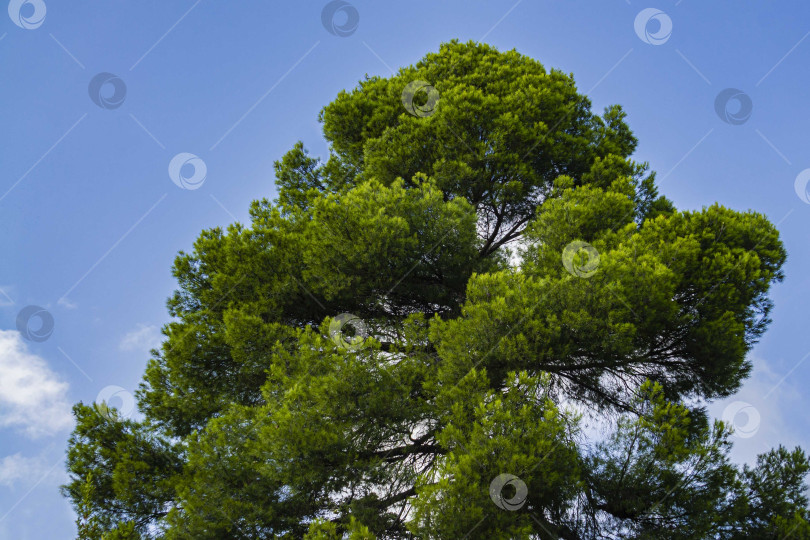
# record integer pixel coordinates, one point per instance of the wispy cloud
(67, 304)
(16, 468)
(32, 397)
(774, 421)
(142, 338)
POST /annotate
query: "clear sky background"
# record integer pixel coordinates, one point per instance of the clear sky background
(90, 220)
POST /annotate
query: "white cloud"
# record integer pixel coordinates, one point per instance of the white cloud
(67, 304)
(143, 338)
(32, 397)
(17, 467)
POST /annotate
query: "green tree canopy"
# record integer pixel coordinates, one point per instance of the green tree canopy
(404, 343)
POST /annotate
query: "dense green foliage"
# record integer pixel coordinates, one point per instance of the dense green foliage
(450, 403)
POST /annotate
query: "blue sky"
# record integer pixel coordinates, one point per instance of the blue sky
(90, 220)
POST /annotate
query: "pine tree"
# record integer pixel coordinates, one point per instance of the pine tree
(406, 341)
